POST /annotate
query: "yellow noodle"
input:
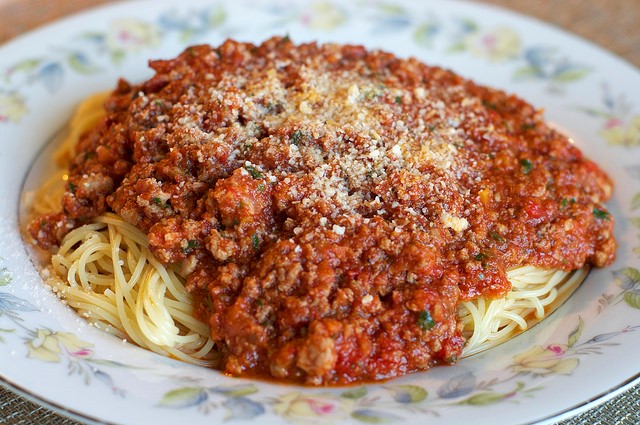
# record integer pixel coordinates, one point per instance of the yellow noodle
(488, 323)
(131, 293)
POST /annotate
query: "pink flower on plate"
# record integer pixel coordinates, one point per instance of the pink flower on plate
(497, 44)
(545, 360)
(131, 35)
(50, 346)
(320, 409)
(620, 133)
(323, 16)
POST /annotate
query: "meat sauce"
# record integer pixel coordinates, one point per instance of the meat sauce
(331, 206)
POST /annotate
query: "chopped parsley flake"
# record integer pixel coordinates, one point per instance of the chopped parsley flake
(425, 321)
(600, 214)
(489, 105)
(566, 201)
(496, 236)
(255, 173)
(526, 166)
(296, 137)
(255, 241)
(191, 245)
(481, 256)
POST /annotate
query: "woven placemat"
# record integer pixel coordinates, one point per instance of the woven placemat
(612, 24)
(621, 410)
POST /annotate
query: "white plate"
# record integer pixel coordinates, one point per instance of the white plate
(584, 353)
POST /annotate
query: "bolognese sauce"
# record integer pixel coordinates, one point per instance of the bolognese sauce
(332, 206)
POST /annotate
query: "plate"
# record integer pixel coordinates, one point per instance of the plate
(582, 354)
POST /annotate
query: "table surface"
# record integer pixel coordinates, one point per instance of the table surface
(612, 24)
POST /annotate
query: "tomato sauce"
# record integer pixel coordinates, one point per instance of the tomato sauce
(332, 206)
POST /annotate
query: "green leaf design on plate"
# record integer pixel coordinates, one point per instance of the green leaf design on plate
(217, 17)
(239, 390)
(81, 64)
(633, 299)
(374, 416)
(408, 393)
(355, 393)
(184, 397)
(571, 74)
(627, 278)
(117, 56)
(469, 24)
(635, 221)
(112, 363)
(457, 47)
(5, 276)
(574, 336)
(635, 202)
(423, 34)
(93, 36)
(526, 72)
(26, 65)
(391, 9)
(8, 331)
(484, 399)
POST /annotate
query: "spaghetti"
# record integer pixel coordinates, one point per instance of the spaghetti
(105, 272)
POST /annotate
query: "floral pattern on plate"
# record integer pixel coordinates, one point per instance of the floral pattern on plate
(126, 36)
(244, 401)
(599, 324)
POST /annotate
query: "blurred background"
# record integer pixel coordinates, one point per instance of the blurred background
(613, 24)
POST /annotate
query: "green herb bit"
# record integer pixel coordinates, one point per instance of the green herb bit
(72, 187)
(601, 214)
(496, 236)
(296, 137)
(208, 302)
(255, 241)
(371, 94)
(481, 256)
(261, 187)
(528, 126)
(564, 203)
(489, 105)
(425, 321)
(526, 166)
(191, 245)
(255, 173)
(156, 200)
(398, 100)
